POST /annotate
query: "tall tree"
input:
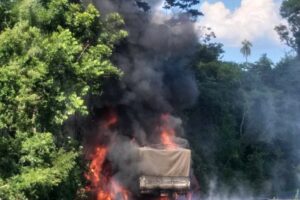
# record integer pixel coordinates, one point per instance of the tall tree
(246, 49)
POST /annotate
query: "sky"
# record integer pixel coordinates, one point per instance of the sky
(232, 21)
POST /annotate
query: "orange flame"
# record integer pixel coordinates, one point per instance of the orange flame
(167, 133)
(102, 185)
(110, 120)
(167, 139)
(95, 167)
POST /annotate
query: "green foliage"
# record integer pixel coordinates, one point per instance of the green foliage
(46, 76)
(208, 52)
(6, 13)
(243, 128)
(52, 54)
(40, 167)
(290, 33)
(214, 122)
(263, 68)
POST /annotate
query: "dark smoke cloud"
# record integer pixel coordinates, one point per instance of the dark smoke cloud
(155, 61)
(156, 80)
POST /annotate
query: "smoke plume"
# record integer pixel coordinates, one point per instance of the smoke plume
(156, 81)
(155, 62)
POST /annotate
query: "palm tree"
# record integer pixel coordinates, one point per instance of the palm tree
(246, 49)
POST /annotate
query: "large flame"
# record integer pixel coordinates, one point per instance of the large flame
(167, 133)
(95, 168)
(102, 185)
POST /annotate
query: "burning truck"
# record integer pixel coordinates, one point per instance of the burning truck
(154, 172)
(157, 86)
(147, 101)
(165, 171)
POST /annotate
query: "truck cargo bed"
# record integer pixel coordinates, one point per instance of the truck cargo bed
(164, 170)
(148, 184)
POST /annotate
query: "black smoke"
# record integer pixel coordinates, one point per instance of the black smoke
(157, 79)
(155, 61)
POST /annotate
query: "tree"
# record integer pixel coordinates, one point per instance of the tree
(36, 165)
(5, 11)
(243, 122)
(213, 121)
(290, 34)
(246, 49)
(52, 54)
(186, 5)
(263, 69)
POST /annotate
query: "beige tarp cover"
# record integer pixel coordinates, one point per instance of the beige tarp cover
(165, 162)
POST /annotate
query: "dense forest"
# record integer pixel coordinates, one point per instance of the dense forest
(68, 65)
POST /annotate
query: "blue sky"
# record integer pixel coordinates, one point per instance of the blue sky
(231, 4)
(235, 20)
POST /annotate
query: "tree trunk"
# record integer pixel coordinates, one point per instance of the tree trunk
(242, 122)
